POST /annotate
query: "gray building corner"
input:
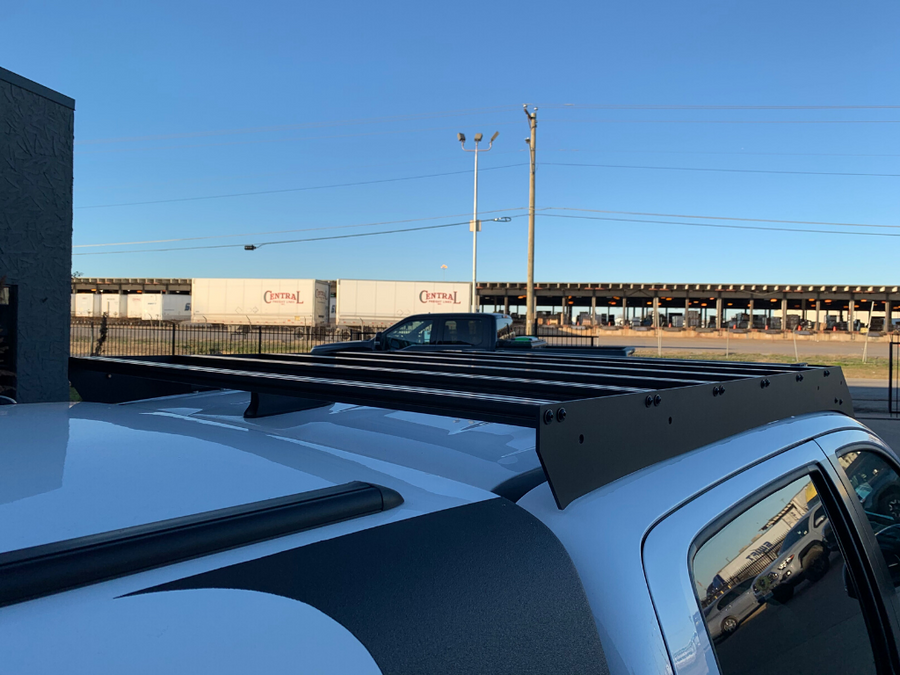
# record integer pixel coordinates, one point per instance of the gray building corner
(37, 129)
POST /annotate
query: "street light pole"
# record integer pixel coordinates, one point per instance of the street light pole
(529, 295)
(475, 224)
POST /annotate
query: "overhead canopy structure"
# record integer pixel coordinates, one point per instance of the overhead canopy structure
(597, 418)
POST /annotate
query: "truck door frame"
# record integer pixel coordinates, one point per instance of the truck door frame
(670, 546)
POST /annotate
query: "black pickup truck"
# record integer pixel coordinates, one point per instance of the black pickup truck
(436, 332)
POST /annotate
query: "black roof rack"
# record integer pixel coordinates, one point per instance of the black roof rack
(598, 418)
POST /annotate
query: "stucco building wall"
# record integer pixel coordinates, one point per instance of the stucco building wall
(36, 139)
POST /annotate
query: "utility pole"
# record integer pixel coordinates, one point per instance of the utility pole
(475, 224)
(532, 142)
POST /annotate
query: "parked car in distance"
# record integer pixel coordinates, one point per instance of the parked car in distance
(803, 555)
(726, 614)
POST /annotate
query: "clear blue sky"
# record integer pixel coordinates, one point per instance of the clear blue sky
(225, 97)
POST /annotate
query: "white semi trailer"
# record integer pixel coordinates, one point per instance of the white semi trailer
(378, 304)
(260, 302)
(87, 305)
(165, 307)
(114, 305)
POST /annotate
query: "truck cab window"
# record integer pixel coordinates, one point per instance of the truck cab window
(771, 591)
(414, 332)
(463, 332)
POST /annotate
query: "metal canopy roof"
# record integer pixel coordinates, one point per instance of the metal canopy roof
(597, 418)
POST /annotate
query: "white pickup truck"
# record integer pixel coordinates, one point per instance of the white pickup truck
(450, 512)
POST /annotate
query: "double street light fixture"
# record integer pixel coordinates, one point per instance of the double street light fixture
(475, 224)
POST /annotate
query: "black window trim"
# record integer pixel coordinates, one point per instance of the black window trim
(866, 542)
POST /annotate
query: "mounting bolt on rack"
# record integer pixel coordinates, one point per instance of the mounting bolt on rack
(548, 416)
(561, 415)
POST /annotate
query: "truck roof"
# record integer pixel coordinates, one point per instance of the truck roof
(96, 468)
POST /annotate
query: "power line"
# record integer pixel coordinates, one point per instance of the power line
(614, 106)
(226, 177)
(726, 227)
(275, 140)
(307, 229)
(300, 189)
(303, 125)
(624, 121)
(688, 168)
(459, 113)
(739, 153)
(287, 241)
(747, 220)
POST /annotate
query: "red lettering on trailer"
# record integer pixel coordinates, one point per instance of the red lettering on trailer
(282, 298)
(438, 298)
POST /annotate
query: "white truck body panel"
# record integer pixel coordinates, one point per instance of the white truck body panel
(165, 307)
(87, 304)
(114, 305)
(382, 303)
(134, 309)
(260, 302)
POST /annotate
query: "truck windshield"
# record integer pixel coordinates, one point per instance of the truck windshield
(415, 332)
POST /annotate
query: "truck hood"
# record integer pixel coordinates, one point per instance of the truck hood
(349, 346)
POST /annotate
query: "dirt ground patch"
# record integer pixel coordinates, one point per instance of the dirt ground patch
(875, 368)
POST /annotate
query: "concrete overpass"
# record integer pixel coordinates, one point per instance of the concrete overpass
(713, 303)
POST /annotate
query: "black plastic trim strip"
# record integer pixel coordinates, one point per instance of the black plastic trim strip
(520, 485)
(52, 568)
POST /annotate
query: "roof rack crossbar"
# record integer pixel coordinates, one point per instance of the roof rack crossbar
(110, 379)
(632, 362)
(463, 376)
(690, 371)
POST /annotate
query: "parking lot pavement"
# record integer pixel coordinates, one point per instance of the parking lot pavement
(870, 403)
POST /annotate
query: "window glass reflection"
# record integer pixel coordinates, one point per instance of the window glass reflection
(416, 332)
(878, 488)
(771, 589)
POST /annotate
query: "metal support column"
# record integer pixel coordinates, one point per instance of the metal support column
(851, 314)
(819, 315)
(593, 310)
(888, 321)
(656, 311)
(687, 308)
(624, 311)
(784, 313)
(530, 325)
(750, 316)
(506, 304)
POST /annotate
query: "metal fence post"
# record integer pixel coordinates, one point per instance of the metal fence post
(173, 339)
(259, 340)
(891, 375)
